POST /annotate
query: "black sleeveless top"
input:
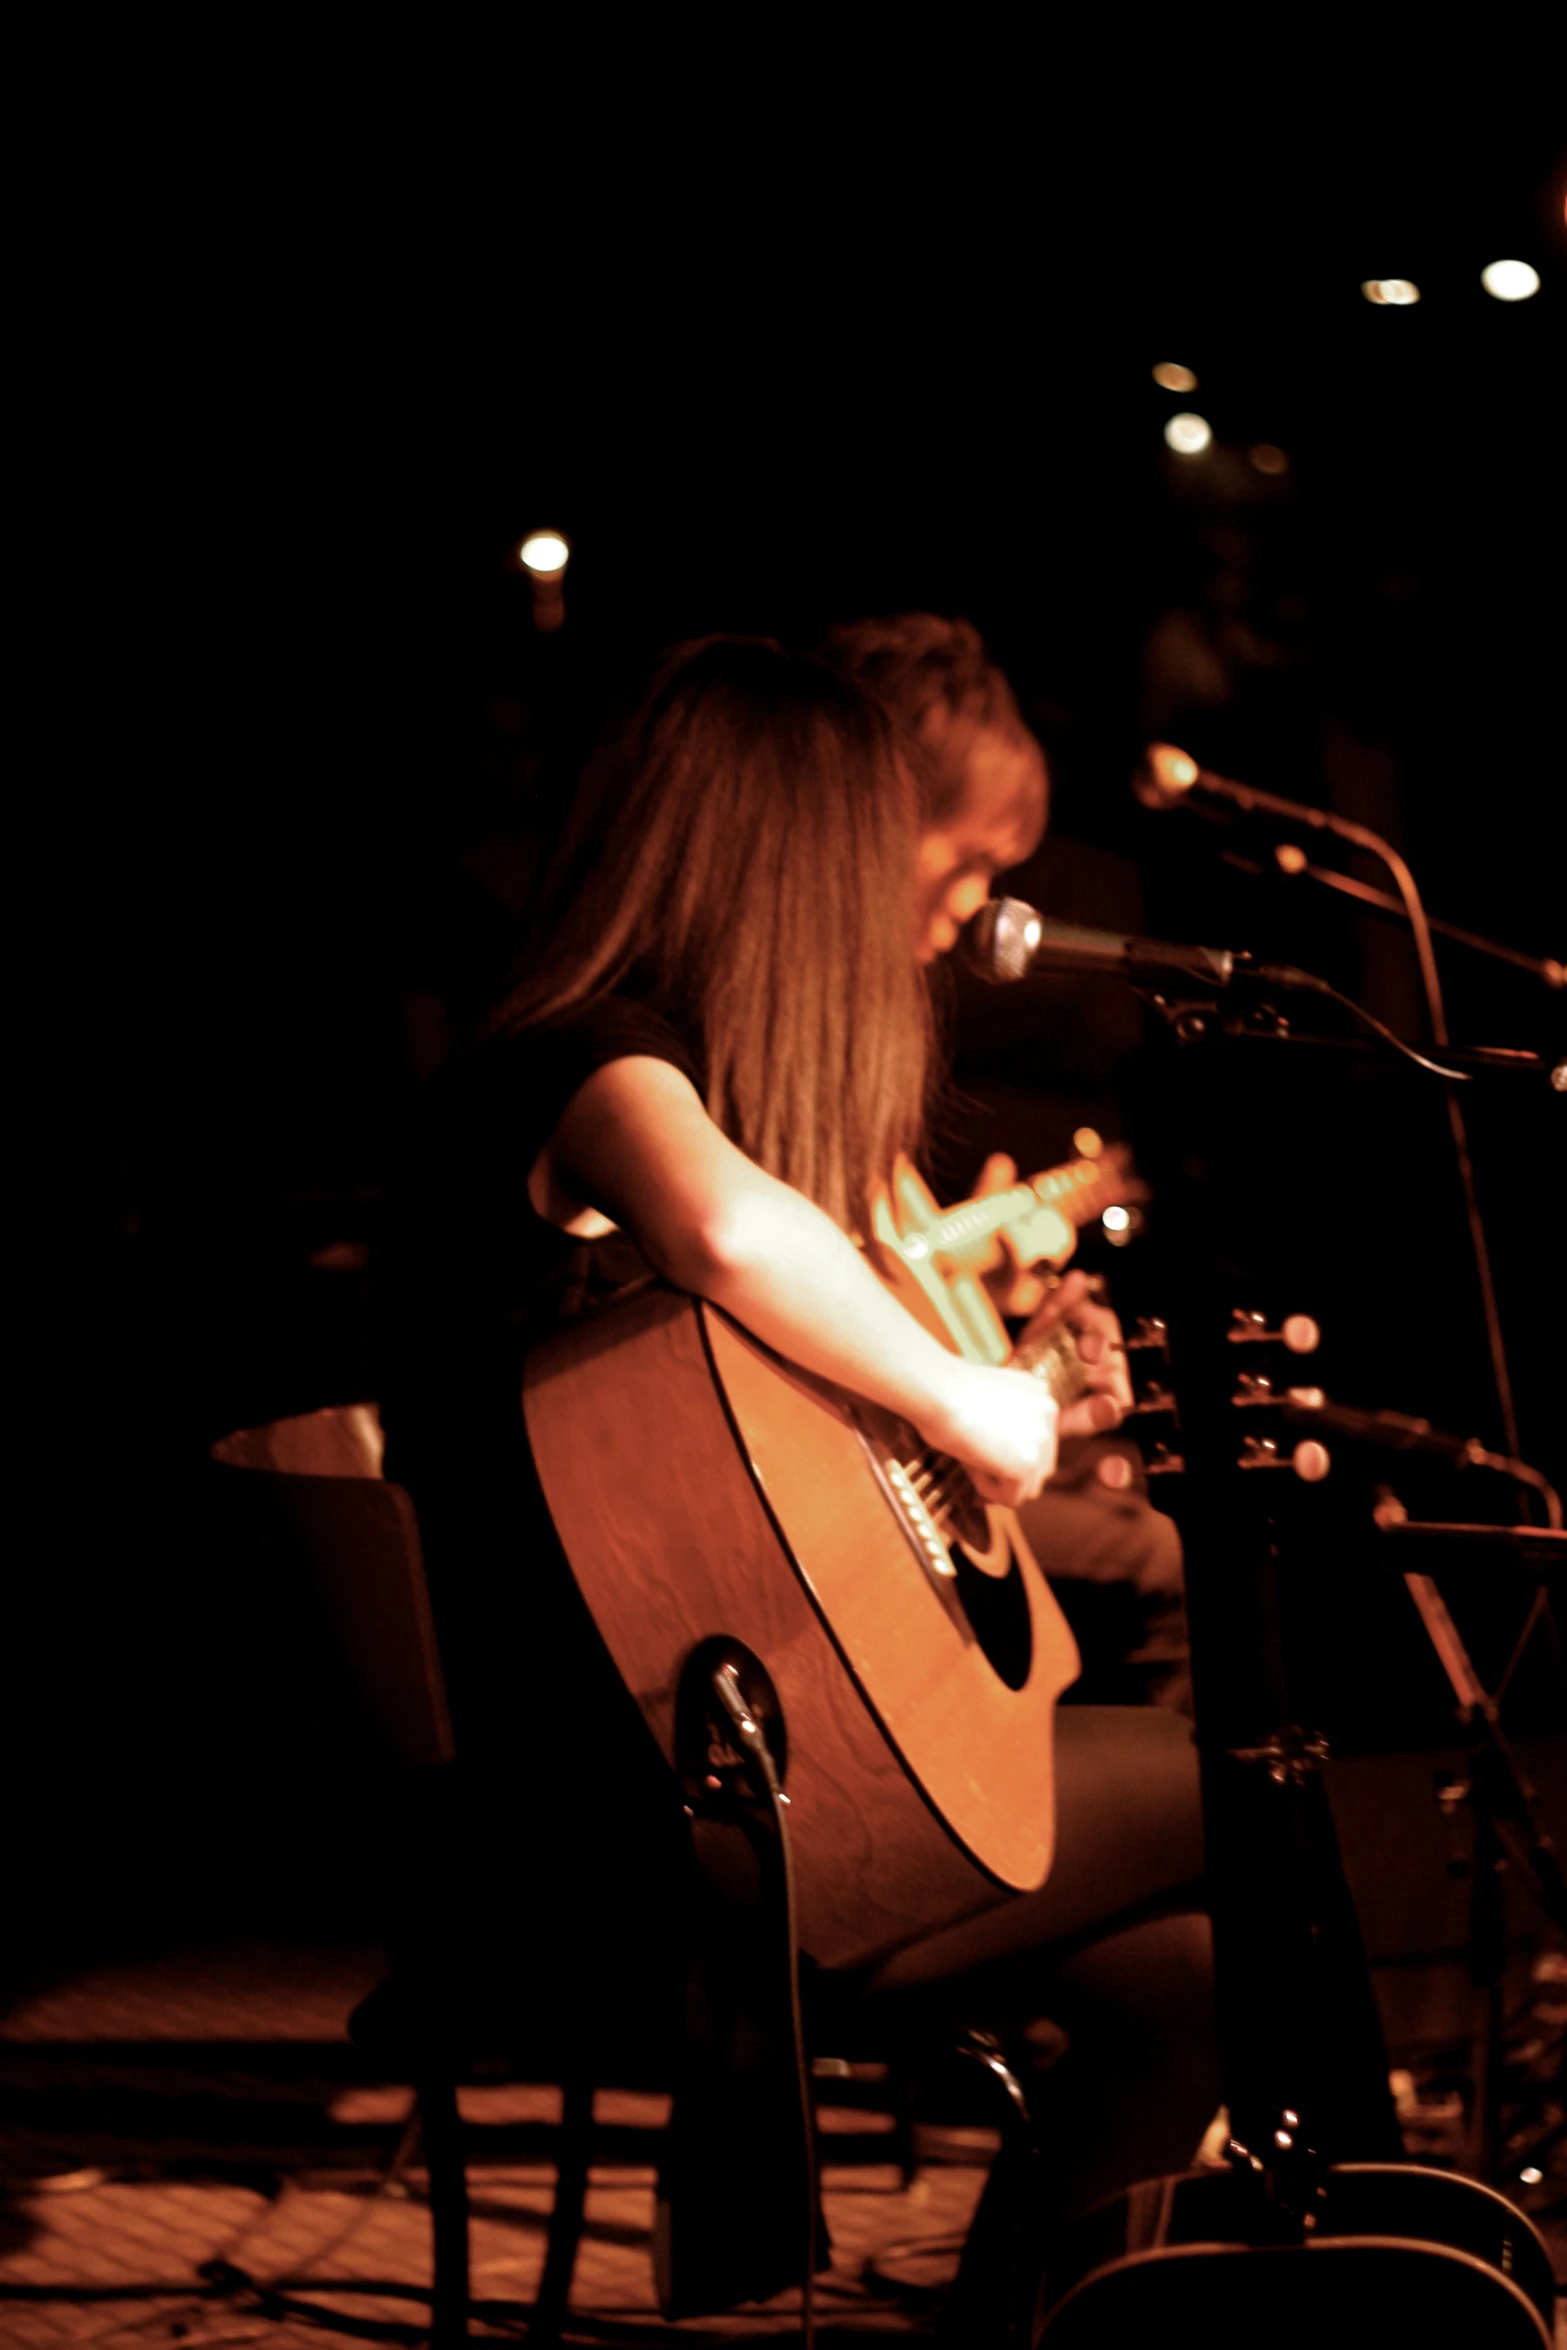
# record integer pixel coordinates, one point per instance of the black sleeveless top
(470, 1279)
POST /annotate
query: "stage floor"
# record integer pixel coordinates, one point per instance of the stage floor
(192, 2154)
(170, 2113)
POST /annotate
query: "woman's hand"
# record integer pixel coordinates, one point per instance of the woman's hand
(1000, 1424)
(1107, 1397)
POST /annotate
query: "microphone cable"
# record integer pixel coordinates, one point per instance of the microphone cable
(753, 1739)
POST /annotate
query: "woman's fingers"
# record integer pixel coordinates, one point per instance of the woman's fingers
(1093, 1414)
(1060, 1304)
(999, 1173)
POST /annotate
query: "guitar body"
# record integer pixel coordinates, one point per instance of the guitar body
(702, 1487)
(1397, 2252)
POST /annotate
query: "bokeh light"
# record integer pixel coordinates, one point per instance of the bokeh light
(1268, 457)
(1510, 281)
(1188, 434)
(1171, 377)
(545, 553)
(1395, 293)
(1172, 770)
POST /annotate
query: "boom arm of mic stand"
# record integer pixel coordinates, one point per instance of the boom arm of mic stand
(1247, 796)
(1541, 967)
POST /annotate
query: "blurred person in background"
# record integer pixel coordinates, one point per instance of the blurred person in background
(985, 799)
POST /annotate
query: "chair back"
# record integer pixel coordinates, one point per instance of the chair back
(312, 1487)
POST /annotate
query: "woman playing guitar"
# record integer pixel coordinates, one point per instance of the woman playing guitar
(718, 1042)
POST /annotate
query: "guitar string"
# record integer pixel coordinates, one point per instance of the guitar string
(930, 1472)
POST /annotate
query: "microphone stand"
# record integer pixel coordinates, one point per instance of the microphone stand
(1197, 1005)
(1542, 967)
(1251, 800)
(1502, 1799)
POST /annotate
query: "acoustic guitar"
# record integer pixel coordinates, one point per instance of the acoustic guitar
(702, 1488)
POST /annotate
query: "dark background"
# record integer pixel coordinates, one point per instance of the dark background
(888, 348)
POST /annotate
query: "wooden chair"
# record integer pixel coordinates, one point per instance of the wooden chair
(311, 1490)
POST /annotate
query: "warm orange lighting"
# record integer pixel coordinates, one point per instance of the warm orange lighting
(1188, 435)
(1173, 770)
(1395, 293)
(1088, 1142)
(1289, 858)
(1268, 458)
(545, 553)
(1173, 378)
(1116, 1220)
(1510, 281)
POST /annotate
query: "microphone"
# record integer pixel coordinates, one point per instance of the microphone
(1164, 776)
(1169, 778)
(1393, 1431)
(1007, 939)
(1401, 1432)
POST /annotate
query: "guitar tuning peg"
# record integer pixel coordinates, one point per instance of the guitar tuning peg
(1160, 1461)
(1298, 1332)
(1310, 1460)
(1148, 1331)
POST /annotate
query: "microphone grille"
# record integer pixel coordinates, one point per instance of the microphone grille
(1164, 776)
(1002, 940)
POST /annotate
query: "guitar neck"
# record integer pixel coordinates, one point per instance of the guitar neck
(1076, 1192)
(977, 1219)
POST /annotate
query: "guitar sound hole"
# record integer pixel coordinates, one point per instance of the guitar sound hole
(997, 1609)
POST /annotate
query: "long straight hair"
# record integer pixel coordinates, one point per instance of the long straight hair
(741, 856)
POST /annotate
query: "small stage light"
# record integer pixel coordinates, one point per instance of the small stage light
(1172, 378)
(544, 553)
(1188, 435)
(1268, 458)
(1394, 292)
(1510, 281)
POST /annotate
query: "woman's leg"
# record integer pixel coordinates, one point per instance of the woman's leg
(1114, 1947)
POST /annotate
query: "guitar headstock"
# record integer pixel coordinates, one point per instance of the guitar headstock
(1065, 1199)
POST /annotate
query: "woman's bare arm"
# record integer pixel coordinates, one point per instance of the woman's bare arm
(636, 1145)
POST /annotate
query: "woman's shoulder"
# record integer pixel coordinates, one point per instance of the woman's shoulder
(568, 1046)
(512, 1086)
